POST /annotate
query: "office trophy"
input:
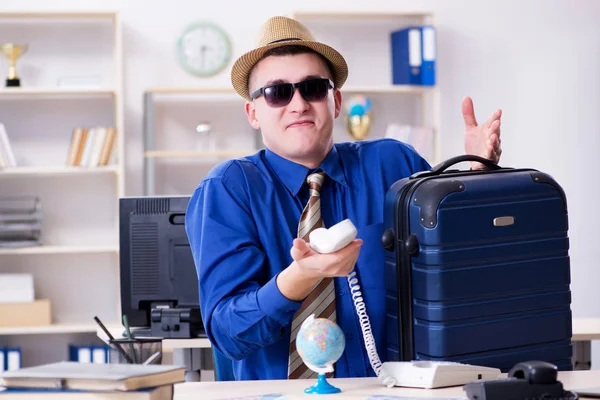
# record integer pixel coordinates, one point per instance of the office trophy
(13, 52)
(358, 121)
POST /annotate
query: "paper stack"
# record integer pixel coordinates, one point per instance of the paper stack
(20, 221)
(78, 381)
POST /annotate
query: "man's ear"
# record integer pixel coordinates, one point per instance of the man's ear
(251, 113)
(337, 96)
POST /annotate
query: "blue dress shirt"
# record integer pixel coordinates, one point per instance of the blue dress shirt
(241, 221)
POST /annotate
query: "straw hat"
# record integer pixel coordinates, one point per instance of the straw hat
(278, 32)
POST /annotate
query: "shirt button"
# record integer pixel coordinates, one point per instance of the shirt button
(341, 292)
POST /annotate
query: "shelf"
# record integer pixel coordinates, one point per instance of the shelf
(359, 14)
(371, 89)
(194, 90)
(57, 171)
(198, 154)
(56, 15)
(387, 89)
(49, 329)
(58, 250)
(55, 91)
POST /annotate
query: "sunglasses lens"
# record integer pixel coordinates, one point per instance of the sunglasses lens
(314, 89)
(279, 95)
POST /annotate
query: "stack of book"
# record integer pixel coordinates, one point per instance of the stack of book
(72, 380)
(20, 221)
(91, 147)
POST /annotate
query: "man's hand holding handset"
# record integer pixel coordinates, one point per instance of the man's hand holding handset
(332, 252)
(329, 252)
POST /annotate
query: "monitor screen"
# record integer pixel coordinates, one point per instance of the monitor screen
(156, 264)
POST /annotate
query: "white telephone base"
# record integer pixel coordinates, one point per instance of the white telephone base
(436, 374)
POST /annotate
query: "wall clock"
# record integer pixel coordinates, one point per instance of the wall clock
(204, 49)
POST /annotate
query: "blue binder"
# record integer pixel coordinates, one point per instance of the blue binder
(428, 55)
(10, 358)
(89, 354)
(406, 56)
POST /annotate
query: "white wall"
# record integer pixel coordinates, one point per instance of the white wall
(538, 60)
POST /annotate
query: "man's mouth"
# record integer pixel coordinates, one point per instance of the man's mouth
(299, 124)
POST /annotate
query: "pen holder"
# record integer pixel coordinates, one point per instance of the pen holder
(135, 351)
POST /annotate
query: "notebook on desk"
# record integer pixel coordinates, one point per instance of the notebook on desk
(105, 377)
(159, 393)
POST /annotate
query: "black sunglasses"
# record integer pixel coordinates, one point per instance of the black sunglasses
(280, 94)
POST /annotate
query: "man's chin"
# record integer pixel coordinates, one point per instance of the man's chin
(307, 153)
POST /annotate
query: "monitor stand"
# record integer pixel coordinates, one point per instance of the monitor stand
(176, 323)
(140, 332)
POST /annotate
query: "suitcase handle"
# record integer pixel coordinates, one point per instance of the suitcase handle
(444, 165)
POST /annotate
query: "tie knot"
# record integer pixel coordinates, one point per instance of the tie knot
(315, 182)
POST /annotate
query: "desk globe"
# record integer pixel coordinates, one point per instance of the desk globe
(320, 343)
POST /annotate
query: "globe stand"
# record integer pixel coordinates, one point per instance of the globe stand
(322, 387)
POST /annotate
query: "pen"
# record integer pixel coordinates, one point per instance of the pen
(112, 340)
(128, 333)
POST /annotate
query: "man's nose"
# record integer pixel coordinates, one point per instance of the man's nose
(298, 104)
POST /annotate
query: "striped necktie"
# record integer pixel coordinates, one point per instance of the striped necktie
(321, 301)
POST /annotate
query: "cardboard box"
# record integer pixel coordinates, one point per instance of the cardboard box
(36, 313)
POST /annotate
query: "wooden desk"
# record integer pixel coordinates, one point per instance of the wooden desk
(190, 352)
(352, 388)
(584, 331)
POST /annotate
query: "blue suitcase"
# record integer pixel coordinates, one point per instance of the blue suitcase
(477, 267)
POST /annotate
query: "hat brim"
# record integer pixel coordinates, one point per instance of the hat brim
(240, 71)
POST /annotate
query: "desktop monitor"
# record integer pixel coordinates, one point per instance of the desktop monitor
(159, 283)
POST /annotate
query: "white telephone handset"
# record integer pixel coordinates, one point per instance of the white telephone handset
(335, 238)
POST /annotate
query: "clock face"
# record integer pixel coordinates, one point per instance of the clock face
(204, 49)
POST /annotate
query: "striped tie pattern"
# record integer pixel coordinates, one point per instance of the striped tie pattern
(321, 301)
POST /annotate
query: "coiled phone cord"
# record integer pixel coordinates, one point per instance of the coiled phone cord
(365, 326)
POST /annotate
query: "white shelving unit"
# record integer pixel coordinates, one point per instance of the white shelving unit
(77, 265)
(363, 39)
(219, 105)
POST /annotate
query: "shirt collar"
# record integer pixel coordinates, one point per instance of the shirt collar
(293, 175)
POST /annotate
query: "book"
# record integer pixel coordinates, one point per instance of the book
(8, 157)
(101, 377)
(107, 146)
(98, 143)
(78, 138)
(90, 147)
(155, 393)
(87, 147)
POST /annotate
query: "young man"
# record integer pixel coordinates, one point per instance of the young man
(258, 277)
